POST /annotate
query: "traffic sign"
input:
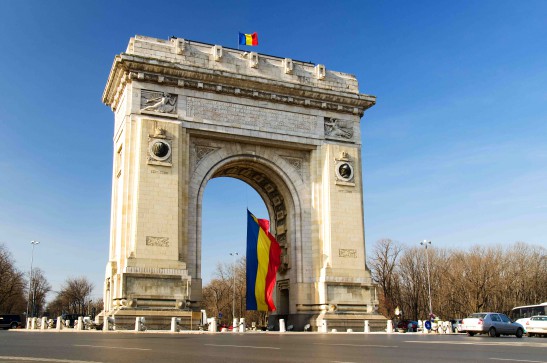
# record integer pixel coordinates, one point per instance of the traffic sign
(219, 315)
(427, 325)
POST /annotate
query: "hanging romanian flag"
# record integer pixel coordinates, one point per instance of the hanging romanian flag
(248, 39)
(263, 260)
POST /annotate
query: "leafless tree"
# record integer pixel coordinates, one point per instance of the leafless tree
(383, 264)
(39, 289)
(482, 278)
(12, 284)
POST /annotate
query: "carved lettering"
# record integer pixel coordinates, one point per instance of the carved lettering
(349, 253)
(255, 117)
(157, 241)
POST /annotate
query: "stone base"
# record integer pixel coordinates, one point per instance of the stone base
(155, 319)
(339, 321)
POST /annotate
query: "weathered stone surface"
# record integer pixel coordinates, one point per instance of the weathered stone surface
(187, 112)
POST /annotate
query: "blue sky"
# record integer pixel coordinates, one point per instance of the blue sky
(455, 150)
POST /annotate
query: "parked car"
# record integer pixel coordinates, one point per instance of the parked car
(493, 324)
(537, 325)
(408, 325)
(457, 326)
(10, 321)
(523, 322)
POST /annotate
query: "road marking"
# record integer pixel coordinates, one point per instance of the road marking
(502, 343)
(362, 345)
(519, 360)
(339, 361)
(106, 346)
(34, 359)
(241, 346)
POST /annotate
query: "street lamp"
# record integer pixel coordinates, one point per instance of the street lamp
(34, 243)
(425, 243)
(234, 273)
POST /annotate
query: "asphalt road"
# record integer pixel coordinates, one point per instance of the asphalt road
(113, 347)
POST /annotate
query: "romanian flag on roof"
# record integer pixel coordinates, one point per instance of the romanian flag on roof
(248, 39)
(263, 260)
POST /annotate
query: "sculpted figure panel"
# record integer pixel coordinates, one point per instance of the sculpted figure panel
(158, 102)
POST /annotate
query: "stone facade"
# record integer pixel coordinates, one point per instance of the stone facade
(187, 112)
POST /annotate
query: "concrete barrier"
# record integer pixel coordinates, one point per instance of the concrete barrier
(367, 327)
(389, 328)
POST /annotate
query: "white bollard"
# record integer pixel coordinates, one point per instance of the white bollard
(43, 325)
(234, 326)
(282, 328)
(59, 324)
(175, 325)
(350, 331)
(242, 325)
(389, 328)
(367, 328)
(80, 324)
(139, 323)
(334, 331)
(213, 325)
(33, 324)
(324, 326)
(105, 323)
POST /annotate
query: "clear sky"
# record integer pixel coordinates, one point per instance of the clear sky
(454, 151)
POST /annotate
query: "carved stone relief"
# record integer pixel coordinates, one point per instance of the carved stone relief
(203, 151)
(296, 163)
(162, 102)
(338, 129)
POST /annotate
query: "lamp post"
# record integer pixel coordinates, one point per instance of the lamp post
(425, 243)
(34, 243)
(234, 294)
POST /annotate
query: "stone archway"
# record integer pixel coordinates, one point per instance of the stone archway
(187, 112)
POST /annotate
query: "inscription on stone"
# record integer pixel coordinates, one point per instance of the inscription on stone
(157, 241)
(250, 116)
(349, 253)
(158, 172)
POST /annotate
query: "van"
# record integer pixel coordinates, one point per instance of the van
(10, 321)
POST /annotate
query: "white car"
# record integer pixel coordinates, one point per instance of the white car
(537, 325)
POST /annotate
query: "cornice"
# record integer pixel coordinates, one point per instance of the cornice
(128, 67)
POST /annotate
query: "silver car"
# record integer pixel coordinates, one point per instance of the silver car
(495, 324)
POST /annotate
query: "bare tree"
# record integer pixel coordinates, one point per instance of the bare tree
(383, 263)
(39, 289)
(74, 298)
(12, 284)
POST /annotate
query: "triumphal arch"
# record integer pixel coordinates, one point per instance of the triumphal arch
(186, 112)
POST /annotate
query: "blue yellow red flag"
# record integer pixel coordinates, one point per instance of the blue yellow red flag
(263, 260)
(248, 39)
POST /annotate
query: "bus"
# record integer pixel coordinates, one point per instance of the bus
(521, 314)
